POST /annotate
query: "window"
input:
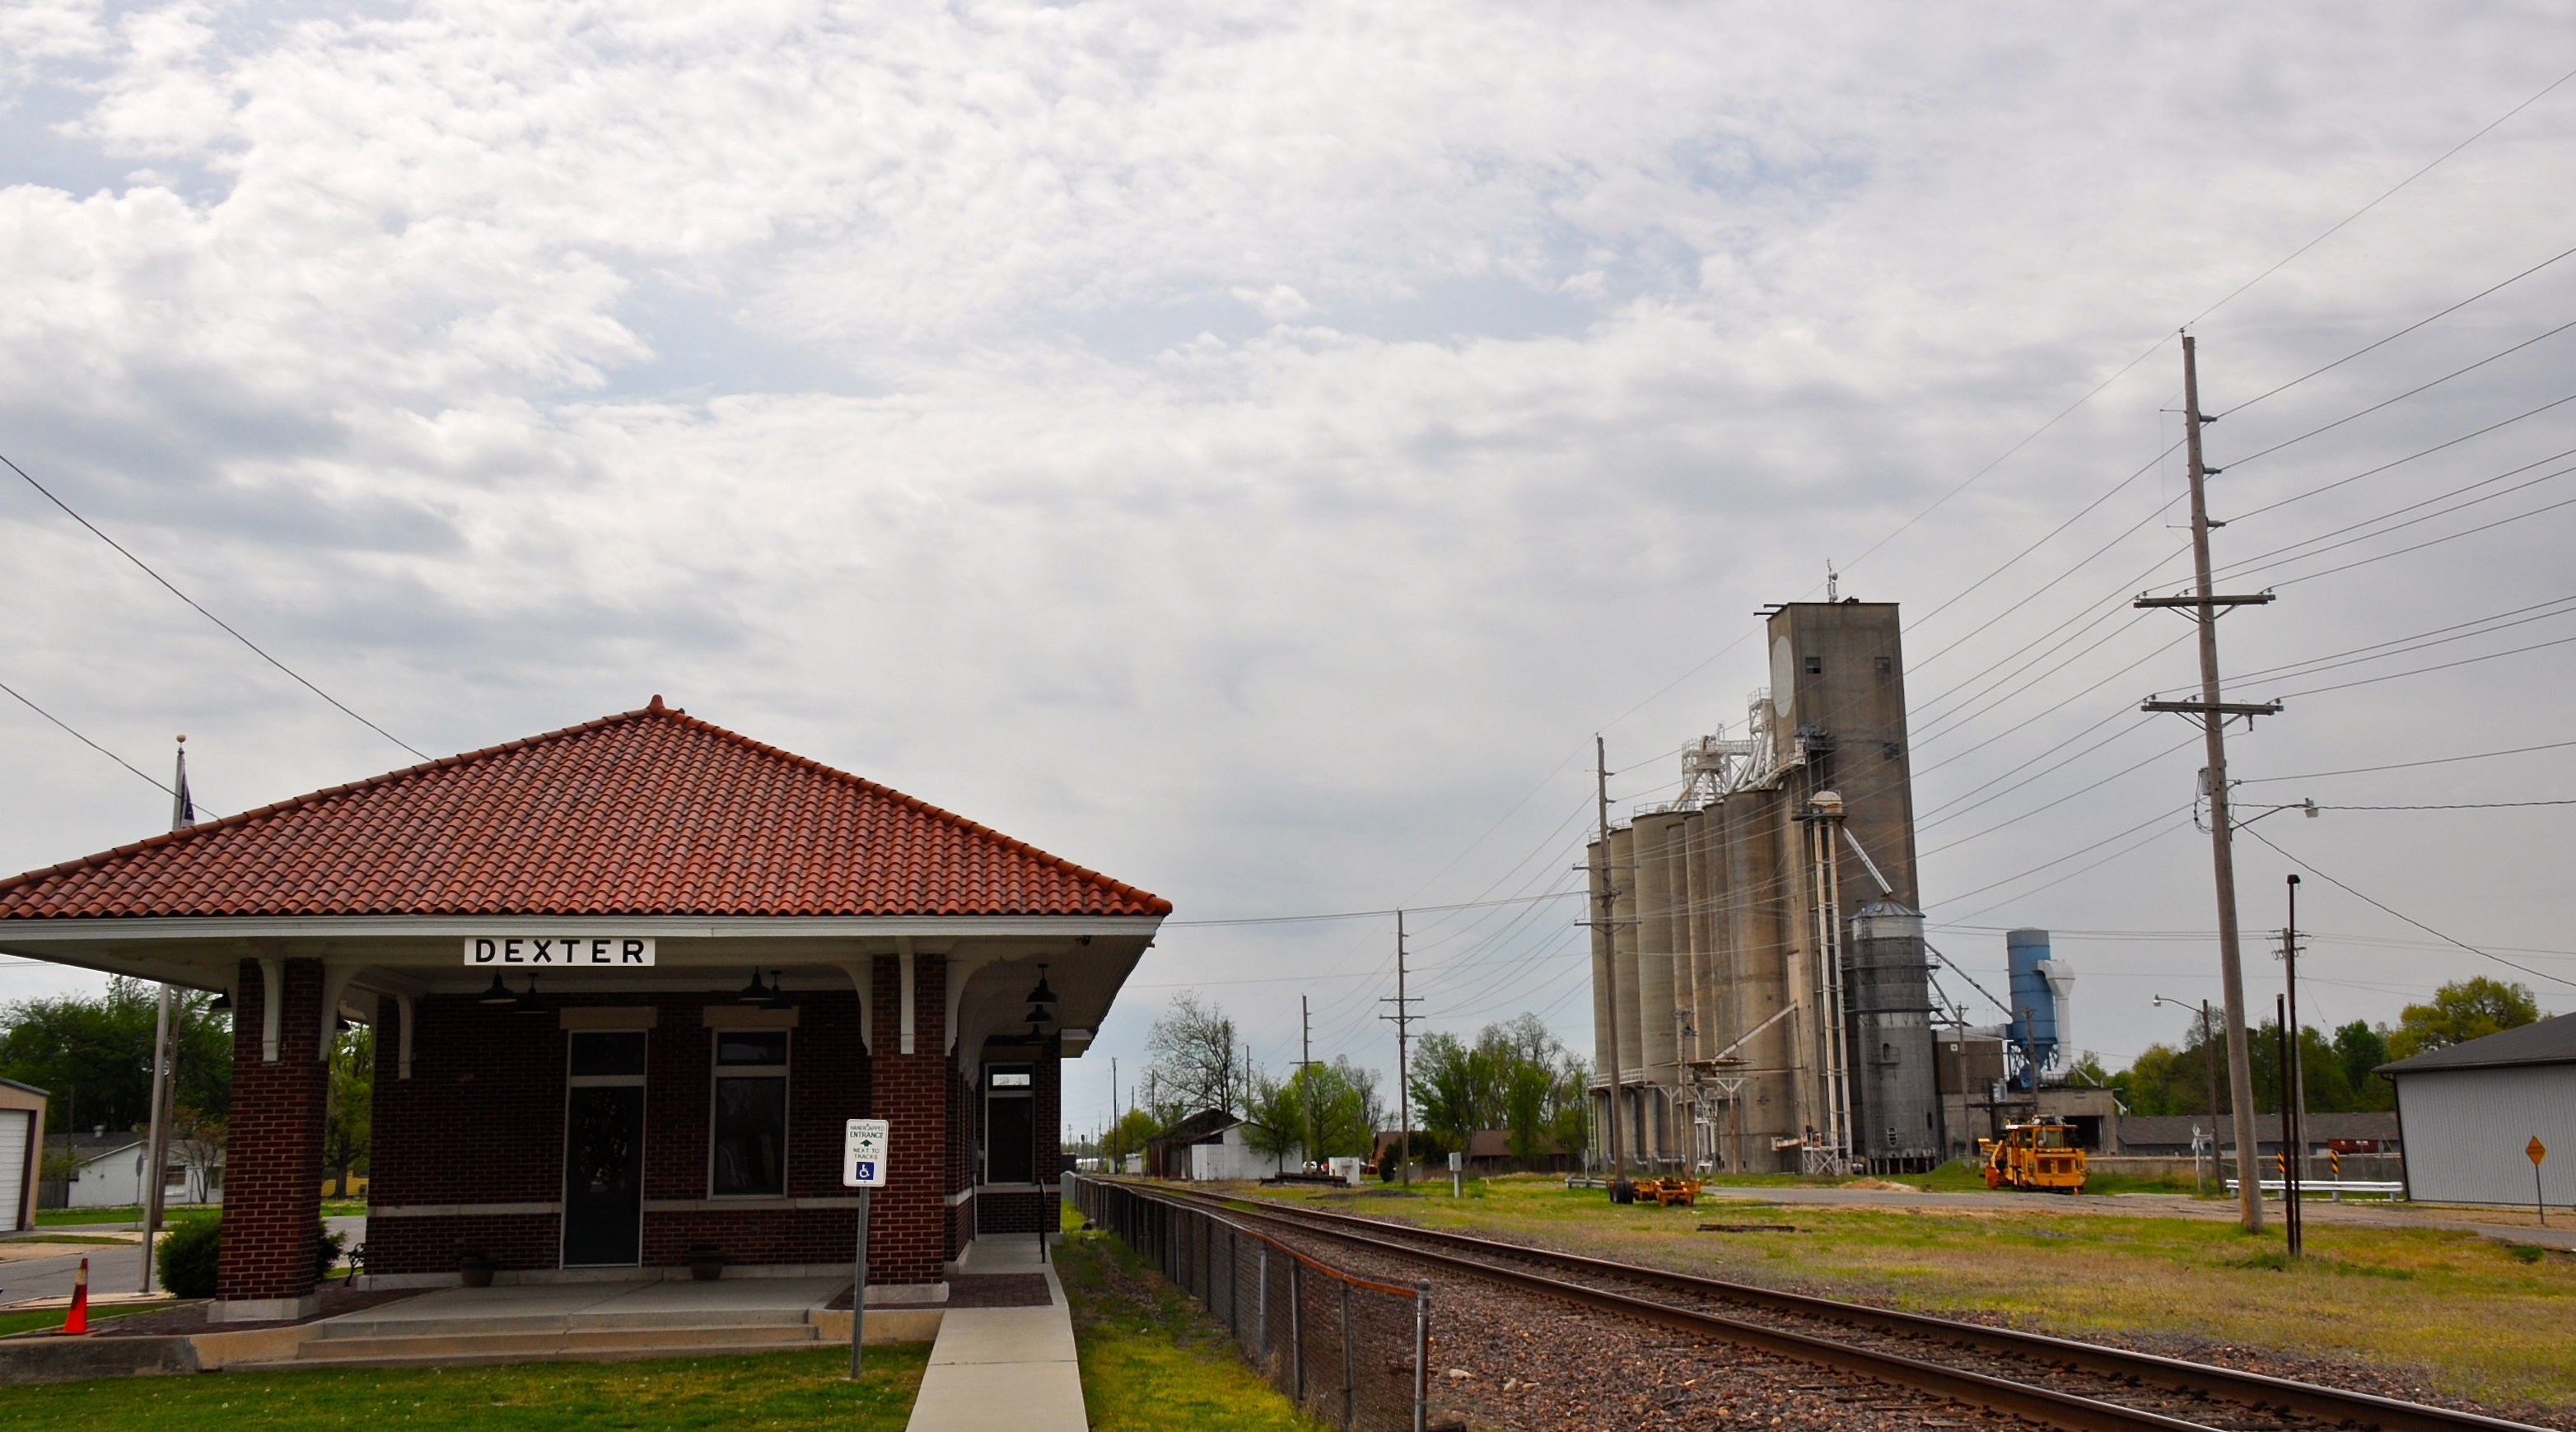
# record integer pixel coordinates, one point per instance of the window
(1815, 666)
(1891, 751)
(1887, 666)
(748, 1151)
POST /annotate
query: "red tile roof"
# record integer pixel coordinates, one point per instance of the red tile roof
(650, 813)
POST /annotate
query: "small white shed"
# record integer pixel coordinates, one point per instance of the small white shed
(2469, 1113)
(1225, 1156)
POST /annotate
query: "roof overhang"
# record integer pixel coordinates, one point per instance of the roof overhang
(991, 960)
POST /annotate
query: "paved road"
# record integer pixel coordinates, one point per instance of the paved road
(111, 1269)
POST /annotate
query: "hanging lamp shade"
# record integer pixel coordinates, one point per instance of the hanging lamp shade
(1044, 993)
(223, 1003)
(528, 1002)
(754, 992)
(777, 990)
(498, 994)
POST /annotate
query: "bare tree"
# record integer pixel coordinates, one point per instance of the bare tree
(1195, 1064)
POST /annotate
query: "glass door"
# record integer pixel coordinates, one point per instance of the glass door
(603, 1217)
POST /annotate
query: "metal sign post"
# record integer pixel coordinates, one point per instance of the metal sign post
(863, 1167)
(2536, 1151)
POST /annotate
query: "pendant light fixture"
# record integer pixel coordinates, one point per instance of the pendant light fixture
(754, 992)
(498, 994)
(528, 1002)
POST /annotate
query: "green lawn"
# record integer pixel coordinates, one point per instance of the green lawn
(724, 1394)
(48, 1318)
(1151, 1359)
(58, 1217)
(172, 1213)
(2479, 1318)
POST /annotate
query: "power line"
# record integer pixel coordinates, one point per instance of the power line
(2384, 198)
(173, 590)
(2409, 919)
(2230, 297)
(2400, 333)
(2419, 671)
(2410, 457)
(2355, 655)
(2469, 805)
(2402, 397)
(77, 736)
(2407, 765)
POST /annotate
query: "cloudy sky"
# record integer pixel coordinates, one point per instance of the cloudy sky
(1251, 451)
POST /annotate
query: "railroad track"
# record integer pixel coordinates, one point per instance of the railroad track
(2088, 1386)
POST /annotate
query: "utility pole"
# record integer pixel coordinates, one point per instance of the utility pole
(1403, 1017)
(1610, 961)
(2213, 715)
(1306, 1076)
(156, 1144)
(2294, 1087)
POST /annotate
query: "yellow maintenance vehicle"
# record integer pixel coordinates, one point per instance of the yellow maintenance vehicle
(2041, 1154)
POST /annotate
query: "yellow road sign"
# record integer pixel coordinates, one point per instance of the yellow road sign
(2536, 1149)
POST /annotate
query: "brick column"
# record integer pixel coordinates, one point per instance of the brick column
(273, 1155)
(908, 1221)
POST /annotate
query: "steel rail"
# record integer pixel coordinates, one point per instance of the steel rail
(2248, 1389)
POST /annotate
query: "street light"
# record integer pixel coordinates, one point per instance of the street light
(2209, 1071)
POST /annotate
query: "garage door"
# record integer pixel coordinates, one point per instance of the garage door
(13, 1166)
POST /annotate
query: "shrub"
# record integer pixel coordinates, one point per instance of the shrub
(187, 1256)
(326, 1248)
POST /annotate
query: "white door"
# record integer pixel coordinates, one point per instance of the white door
(13, 1166)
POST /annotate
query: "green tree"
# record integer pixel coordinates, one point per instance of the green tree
(2459, 1012)
(93, 1054)
(1342, 1100)
(1516, 1077)
(1128, 1135)
(348, 1116)
(2361, 1049)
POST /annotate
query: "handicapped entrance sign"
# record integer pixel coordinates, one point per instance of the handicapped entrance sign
(863, 1154)
(863, 1167)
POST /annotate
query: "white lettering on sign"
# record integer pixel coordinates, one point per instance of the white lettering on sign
(560, 951)
(863, 1154)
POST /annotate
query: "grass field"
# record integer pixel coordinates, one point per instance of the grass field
(798, 1389)
(48, 1318)
(1150, 1358)
(2478, 1318)
(63, 1217)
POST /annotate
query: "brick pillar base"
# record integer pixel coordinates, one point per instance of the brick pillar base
(273, 1157)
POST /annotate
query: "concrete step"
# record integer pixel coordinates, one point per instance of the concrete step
(511, 1346)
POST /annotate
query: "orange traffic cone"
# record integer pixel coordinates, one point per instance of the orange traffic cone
(76, 1321)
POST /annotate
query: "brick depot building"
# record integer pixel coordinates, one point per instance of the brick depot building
(627, 980)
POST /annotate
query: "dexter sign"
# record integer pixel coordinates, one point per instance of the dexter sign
(559, 951)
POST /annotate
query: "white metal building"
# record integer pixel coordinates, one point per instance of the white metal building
(2468, 1115)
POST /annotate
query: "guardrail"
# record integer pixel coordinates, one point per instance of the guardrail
(1351, 1350)
(2337, 1187)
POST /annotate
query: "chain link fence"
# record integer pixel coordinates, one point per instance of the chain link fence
(1348, 1350)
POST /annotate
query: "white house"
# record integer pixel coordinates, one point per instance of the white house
(106, 1171)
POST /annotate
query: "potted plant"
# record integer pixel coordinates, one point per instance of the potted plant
(706, 1262)
(475, 1269)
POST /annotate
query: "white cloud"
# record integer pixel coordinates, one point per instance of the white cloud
(1247, 454)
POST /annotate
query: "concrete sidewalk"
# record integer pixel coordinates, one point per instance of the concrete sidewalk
(1003, 1369)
